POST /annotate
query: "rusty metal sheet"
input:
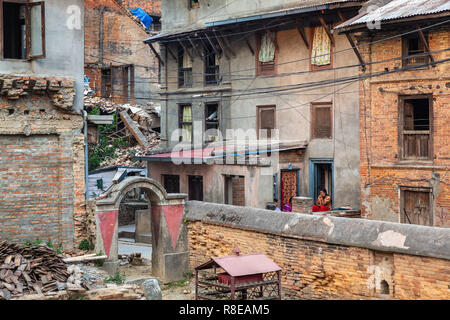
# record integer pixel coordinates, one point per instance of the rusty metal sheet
(244, 265)
(398, 9)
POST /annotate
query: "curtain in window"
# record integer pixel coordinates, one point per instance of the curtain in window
(187, 127)
(267, 48)
(187, 62)
(321, 49)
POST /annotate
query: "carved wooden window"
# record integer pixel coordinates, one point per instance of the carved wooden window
(23, 29)
(415, 127)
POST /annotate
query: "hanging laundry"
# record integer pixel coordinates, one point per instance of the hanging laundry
(321, 49)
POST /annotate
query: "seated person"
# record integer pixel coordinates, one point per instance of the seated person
(323, 201)
(288, 206)
(275, 202)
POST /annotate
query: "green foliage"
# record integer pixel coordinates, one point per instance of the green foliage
(181, 283)
(99, 263)
(37, 242)
(106, 147)
(86, 245)
(94, 112)
(27, 243)
(117, 278)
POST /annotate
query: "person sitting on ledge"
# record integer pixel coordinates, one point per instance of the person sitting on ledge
(288, 206)
(323, 201)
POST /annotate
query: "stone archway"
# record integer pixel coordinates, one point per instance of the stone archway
(170, 256)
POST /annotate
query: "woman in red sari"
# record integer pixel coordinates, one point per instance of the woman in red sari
(323, 201)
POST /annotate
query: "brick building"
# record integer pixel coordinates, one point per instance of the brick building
(405, 155)
(42, 164)
(119, 65)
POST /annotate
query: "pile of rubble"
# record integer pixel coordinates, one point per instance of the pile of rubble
(137, 123)
(27, 269)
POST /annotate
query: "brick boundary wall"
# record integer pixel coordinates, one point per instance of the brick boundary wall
(328, 257)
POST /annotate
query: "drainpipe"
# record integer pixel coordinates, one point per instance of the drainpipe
(86, 160)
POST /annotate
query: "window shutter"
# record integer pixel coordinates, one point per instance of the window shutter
(35, 25)
(322, 122)
(409, 116)
(268, 118)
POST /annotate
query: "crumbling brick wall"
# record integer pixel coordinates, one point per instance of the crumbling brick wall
(41, 160)
(382, 173)
(314, 265)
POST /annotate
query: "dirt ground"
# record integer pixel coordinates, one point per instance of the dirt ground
(181, 290)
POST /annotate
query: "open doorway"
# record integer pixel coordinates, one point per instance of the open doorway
(321, 176)
(134, 219)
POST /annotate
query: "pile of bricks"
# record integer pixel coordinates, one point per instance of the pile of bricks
(27, 270)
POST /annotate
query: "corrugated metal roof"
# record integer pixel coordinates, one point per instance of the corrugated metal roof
(245, 265)
(398, 9)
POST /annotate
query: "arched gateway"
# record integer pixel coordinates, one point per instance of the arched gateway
(170, 256)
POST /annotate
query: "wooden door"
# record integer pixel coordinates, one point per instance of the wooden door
(416, 208)
(289, 181)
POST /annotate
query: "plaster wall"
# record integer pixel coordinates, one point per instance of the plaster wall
(64, 32)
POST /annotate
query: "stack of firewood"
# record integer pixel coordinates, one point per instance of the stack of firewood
(29, 270)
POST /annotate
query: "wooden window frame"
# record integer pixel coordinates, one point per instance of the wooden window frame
(209, 53)
(405, 53)
(314, 105)
(190, 6)
(163, 180)
(29, 5)
(401, 121)
(313, 67)
(258, 116)
(415, 189)
(207, 104)
(181, 70)
(181, 123)
(268, 72)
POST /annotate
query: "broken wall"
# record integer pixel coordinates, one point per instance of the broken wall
(42, 176)
(327, 257)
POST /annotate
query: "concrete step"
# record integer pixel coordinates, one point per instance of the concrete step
(127, 234)
(144, 238)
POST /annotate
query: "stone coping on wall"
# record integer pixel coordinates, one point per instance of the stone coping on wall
(370, 234)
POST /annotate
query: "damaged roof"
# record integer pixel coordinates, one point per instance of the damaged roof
(398, 9)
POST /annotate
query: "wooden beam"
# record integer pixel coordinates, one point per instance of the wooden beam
(222, 46)
(156, 54)
(269, 33)
(212, 44)
(250, 47)
(229, 45)
(425, 44)
(324, 25)
(341, 16)
(195, 47)
(174, 56)
(355, 49)
(185, 49)
(302, 33)
(352, 43)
